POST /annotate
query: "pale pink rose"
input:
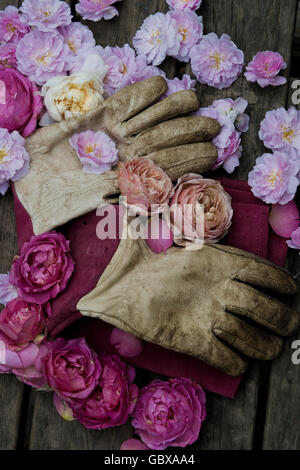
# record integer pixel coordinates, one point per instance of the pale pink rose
(25, 364)
(126, 344)
(12, 26)
(159, 237)
(295, 240)
(145, 184)
(284, 220)
(192, 192)
(264, 69)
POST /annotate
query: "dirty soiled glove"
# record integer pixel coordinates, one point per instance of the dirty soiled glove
(211, 304)
(56, 190)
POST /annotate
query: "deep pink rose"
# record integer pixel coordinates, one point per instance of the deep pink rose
(113, 399)
(43, 269)
(145, 184)
(21, 322)
(169, 414)
(191, 194)
(22, 104)
(71, 368)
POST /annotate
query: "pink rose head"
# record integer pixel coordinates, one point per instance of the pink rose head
(174, 85)
(145, 184)
(169, 414)
(229, 147)
(12, 25)
(274, 178)
(43, 268)
(126, 344)
(8, 292)
(159, 237)
(113, 399)
(124, 67)
(134, 444)
(284, 220)
(184, 4)
(8, 55)
(96, 10)
(42, 56)
(295, 240)
(20, 102)
(192, 193)
(226, 110)
(46, 15)
(14, 158)
(21, 322)
(157, 38)
(96, 151)
(190, 27)
(264, 68)
(71, 368)
(31, 372)
(216, 62)
(24, 364)
(280, 130)
(78, 37)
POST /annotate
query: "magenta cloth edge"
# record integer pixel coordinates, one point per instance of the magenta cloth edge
(250, 231)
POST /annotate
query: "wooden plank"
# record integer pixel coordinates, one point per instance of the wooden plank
(11, 391)
(282, 431)
(48, 430)
(251, 25)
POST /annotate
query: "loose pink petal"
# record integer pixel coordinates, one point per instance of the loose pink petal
(62, 408)
(284, 220)
(134, 444)
(126, 344)
(159, 236)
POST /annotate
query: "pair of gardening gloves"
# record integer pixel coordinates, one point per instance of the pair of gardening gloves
(218, 304)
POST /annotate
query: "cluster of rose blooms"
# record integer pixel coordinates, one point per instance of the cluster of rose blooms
(46, 59)
(98, 390)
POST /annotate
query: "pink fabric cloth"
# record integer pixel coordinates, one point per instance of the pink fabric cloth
(250, 231)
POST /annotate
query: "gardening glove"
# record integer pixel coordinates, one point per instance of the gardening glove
(211, 304)
(56, 190)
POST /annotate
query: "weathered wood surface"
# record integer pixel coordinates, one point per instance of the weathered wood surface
(238, 424)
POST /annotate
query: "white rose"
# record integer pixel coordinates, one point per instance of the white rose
(65, 97)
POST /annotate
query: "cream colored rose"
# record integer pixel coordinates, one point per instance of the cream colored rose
(65, 97)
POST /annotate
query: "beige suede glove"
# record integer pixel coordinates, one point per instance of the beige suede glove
(211, 303)
(56, 190)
